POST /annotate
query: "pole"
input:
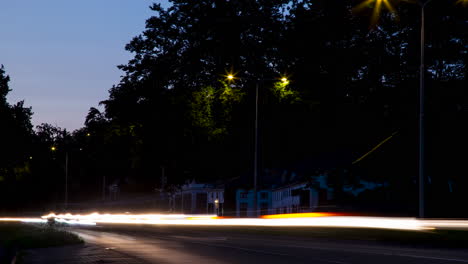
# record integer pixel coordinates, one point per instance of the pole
(103, 187)
(66, 179)
(421, 119)
(256, 150)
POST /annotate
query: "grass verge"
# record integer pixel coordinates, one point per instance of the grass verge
(27, 236)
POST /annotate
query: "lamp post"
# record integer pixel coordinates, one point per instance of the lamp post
(53, 149)
(216, 202)
(284, 80)
(422, 71)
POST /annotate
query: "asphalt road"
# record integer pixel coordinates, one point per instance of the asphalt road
(160, 245)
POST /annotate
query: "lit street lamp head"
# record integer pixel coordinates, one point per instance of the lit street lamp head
(377, 6)
(53, 148)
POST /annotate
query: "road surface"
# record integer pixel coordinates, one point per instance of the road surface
(160, 245)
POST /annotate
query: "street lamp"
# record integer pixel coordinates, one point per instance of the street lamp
(216, 206)
(422, 71)
(284, 80)
(53, 149)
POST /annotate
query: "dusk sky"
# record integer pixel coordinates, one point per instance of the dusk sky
(62, 55)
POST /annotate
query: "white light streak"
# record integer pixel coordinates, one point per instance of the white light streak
(23, 220)
(212, 220)
(309, 220)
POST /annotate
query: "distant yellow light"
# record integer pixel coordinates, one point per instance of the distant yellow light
(463, 2)
(230, 77)
(88, 134)
(284, 80)
(53, 148)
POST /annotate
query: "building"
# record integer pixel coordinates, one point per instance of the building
(198, 198)
(287, 195)
(294, 198)
(216, 201)
(245, 202)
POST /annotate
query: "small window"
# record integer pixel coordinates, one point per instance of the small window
(263, 195)
(243, 195)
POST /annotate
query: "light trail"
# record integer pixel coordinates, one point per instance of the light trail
(316, 219)
(299, 220)
(300, 215)
(23, 220)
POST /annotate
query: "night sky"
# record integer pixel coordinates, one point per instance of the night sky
(62, 55)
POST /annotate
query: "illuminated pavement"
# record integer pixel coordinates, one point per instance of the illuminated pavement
(159, 238)
(87, 254)
(163, 245)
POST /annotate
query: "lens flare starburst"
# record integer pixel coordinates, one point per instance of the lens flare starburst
(377, 6)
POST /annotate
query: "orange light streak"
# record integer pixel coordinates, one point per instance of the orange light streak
(299, 215)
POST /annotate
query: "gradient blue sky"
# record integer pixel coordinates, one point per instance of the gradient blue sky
(62, 55)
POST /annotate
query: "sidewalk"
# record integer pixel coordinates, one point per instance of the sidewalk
(78, 254)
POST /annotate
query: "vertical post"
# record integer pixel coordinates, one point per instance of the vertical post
(163, 178)
(256, 150)
(103, 187)
(421, 119)
(66, 179)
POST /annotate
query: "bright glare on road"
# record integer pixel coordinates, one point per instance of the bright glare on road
(306, 220)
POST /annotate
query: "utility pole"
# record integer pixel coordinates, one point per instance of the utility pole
(421, 117)
(103, 187)
(256, 151)
(422, 72)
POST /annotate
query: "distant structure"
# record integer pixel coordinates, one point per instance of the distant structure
(288, 194)
(199, 198)
(245, 202)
